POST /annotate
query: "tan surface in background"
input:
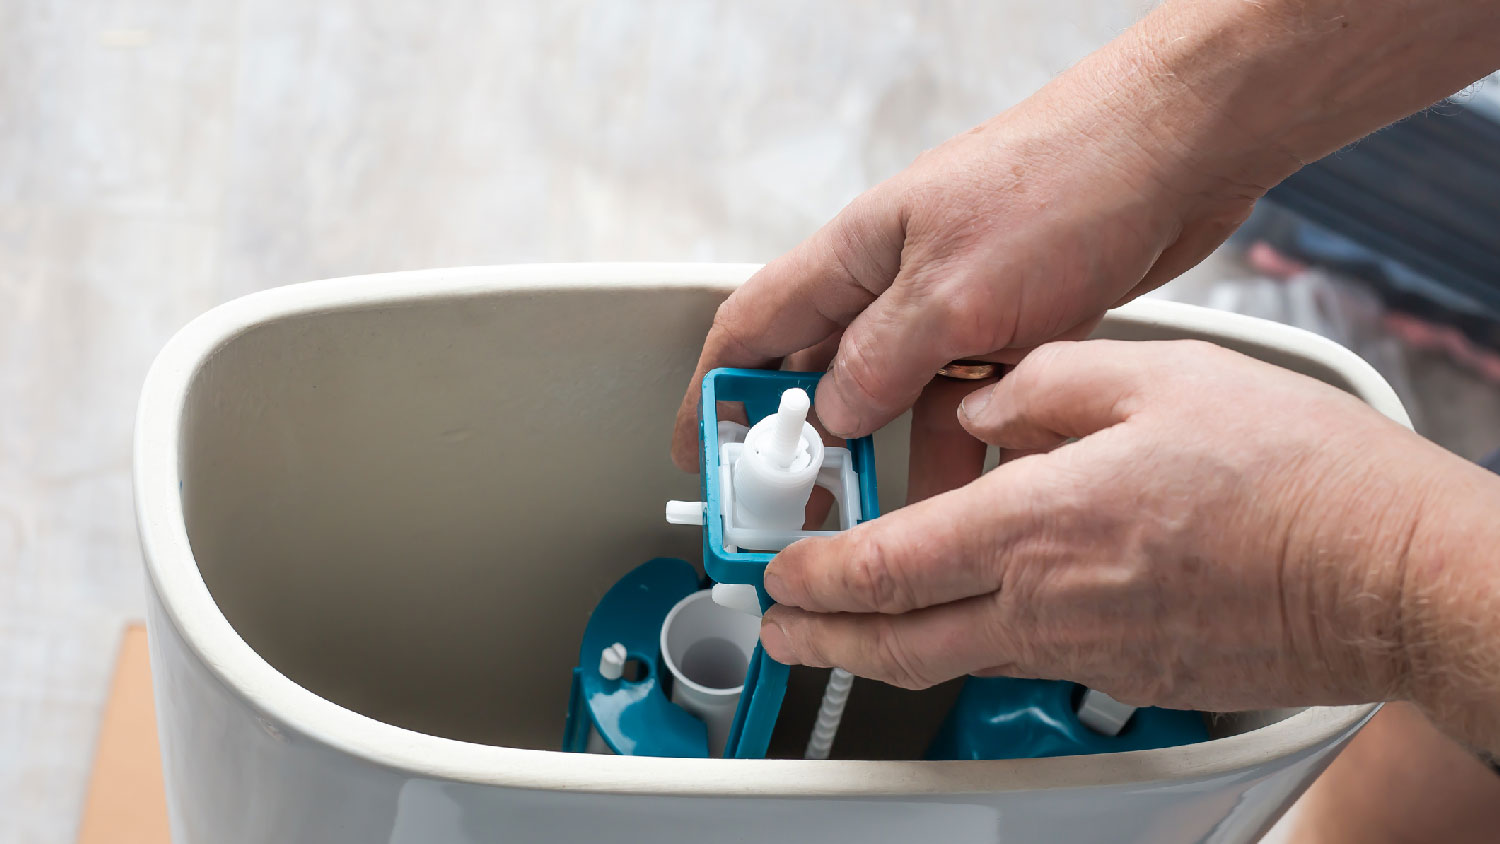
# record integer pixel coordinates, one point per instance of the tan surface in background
(127, 803)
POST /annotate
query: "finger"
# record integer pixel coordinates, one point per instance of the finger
(914, 650)
(888, 354)
(1060, 391)
(943, 455)
(942, 549)
(890, 351)
(815, 359)
(795, 302)
(1009, 454)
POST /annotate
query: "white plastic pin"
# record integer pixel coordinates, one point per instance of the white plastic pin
(612, 662)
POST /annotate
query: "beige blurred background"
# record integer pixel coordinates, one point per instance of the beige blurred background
(158, 157)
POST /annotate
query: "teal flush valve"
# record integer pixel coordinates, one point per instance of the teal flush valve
(756, 482)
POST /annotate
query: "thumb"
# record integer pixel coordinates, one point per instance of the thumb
(1061, 391)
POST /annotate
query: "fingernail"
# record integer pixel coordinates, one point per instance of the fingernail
(776, 644)
(975, 402)
(833, 411)
(774, 586)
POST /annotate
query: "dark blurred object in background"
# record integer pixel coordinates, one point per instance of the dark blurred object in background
(1413, 211)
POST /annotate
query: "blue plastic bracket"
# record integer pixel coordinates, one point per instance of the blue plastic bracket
(634, 717)
(1008, 718)
(760, 393)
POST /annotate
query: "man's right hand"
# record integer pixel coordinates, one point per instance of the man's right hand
(1193, 528)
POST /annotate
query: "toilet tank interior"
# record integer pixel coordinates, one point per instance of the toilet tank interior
(410, 509)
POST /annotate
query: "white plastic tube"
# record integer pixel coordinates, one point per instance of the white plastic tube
(707, 650)
(830, 713)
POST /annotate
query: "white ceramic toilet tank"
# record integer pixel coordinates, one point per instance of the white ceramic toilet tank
(378, 511)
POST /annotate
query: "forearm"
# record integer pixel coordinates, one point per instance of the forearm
(1247, 91)
(1451, 607)
(1243, 93)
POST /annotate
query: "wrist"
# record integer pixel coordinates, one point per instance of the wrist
(1162, 95)
(1450, 607)
(1349, 526)
(1233, 96)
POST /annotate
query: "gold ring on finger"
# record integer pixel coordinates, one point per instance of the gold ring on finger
(969, 370)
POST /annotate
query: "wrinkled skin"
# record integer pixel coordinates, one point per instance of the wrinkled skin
(1222, 534)
(959, 257)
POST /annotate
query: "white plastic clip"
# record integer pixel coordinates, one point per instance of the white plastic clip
(1103, 714)
(738, 596)
(686, 512)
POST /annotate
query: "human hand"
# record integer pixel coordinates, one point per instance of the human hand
(1223, 534)
(1023, 230)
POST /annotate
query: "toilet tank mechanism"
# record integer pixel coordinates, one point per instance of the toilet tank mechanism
(757, 480)
(376, 560)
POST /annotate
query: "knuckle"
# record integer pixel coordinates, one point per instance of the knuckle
(849, 258)
(864, 242)
(971, 312)
(1168, 358)
(858, 362)
(725, 321)
(895, 661)
(921, 186)
(1038, 369)
(811, 648)
(1046, 359)
(871, 577)
(965, 320)
(807, 636)
(1199, 347)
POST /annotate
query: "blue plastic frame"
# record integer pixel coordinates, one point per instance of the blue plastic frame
(634, 717)
(1013, 718)
(760, 392)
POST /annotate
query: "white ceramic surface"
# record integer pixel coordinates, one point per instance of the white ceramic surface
(362, 505)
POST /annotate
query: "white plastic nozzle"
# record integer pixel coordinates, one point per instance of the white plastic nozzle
(612, 661)
(1103, 714)
(685, 512)
(775, 472)
(738, 596)
(785, 442)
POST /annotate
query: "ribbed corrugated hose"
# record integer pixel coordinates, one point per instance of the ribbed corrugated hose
(835, 695)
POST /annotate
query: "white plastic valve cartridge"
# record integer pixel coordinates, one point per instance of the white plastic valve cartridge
(775, 473)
